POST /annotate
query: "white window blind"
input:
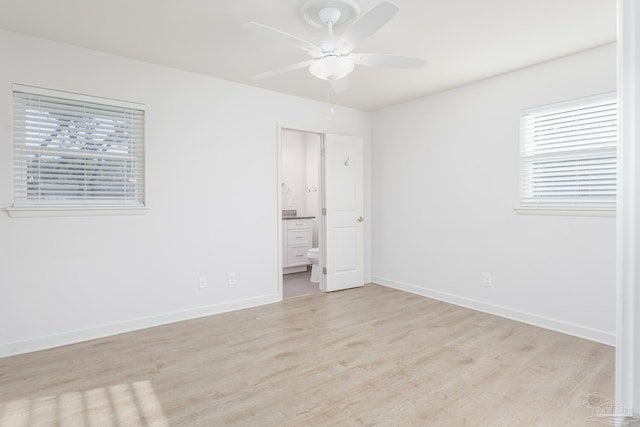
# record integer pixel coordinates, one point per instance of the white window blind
(75, 150)
(569, 155)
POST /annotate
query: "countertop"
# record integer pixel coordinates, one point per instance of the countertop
(297, 217)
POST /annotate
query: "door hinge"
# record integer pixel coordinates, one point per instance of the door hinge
(324, 211)
(324, 270)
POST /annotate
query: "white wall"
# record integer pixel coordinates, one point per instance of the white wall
(446, 182)
(294, 171)
(313, 143)
(212, 192)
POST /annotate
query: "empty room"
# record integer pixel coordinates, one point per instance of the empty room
(319, 213)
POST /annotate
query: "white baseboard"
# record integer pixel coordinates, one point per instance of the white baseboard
(80, 335)
(604, 337)
(72, 337)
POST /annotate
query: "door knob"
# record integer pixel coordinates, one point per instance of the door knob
(360, 219)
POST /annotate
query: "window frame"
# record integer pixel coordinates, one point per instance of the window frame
(23, 207)
(549, 206)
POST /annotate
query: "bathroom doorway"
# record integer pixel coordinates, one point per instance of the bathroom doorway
(301, 202)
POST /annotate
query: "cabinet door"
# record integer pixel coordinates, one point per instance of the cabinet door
(297, 255)
(299, 237)
(295, 224)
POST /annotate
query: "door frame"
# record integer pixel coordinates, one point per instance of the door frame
(627, 376)
(321, 261)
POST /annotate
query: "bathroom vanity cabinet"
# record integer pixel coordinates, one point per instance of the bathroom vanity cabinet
(296, 241)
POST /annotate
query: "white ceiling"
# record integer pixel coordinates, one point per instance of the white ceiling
(462, 40)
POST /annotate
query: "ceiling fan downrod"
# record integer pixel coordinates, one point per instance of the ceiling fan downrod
(329, 15)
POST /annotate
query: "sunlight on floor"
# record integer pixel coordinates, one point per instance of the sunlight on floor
(133, 404)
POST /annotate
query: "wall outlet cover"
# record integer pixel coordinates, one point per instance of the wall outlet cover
(233, 279)
(202, 282)
(487, 280)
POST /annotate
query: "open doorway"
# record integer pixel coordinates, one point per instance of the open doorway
(321, 193)
(301, 202)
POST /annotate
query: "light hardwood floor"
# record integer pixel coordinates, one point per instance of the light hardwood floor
(368, 356)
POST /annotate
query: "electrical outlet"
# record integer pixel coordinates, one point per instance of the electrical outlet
(233, 280)
(202, 282)
(488, 280)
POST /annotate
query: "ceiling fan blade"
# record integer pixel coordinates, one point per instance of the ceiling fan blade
(339, 85)
(383, 60)
(369, 23)
(282, 70)
(282, 37)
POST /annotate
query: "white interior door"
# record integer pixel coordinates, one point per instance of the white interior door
(344, 209)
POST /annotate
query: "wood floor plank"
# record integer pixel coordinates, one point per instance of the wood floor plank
(366, 356)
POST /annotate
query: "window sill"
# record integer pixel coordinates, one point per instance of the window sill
(562, 211)
(59, 211)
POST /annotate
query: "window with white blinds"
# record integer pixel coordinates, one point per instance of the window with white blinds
(76, 150)
(568, 155)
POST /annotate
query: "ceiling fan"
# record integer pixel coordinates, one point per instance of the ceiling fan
(333, 58)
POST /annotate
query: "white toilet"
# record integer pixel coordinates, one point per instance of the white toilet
(314, 255)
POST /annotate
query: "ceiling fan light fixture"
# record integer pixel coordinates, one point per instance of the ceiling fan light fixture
(332, 67)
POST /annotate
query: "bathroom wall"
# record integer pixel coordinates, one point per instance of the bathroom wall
(212, 192)
(301, 175)
(314, 202)
(294, 171)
